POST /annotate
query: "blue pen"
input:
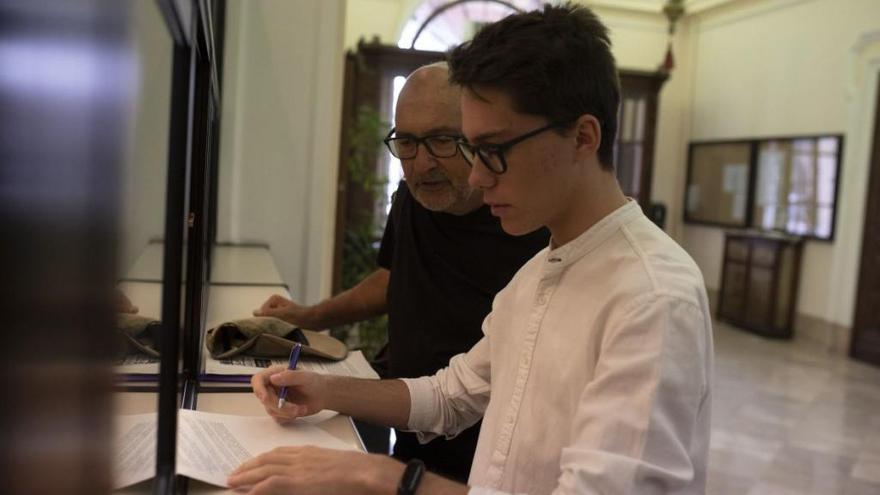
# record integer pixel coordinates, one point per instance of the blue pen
(291, 365)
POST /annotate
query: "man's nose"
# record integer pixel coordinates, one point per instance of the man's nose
(423, 160)
(480, 177)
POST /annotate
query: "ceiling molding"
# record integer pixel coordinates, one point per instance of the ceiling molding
(656, 6)
(697, 6)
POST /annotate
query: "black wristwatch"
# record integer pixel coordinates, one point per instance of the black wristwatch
(412, 475)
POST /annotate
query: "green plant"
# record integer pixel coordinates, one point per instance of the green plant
(361, 244)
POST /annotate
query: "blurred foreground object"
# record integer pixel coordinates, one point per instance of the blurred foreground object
(65, 82)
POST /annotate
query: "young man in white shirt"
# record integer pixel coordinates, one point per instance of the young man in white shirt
(594, 374)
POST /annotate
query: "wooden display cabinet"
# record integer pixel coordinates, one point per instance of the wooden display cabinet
(759, 282)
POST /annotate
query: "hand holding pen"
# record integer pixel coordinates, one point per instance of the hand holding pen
(287, 394)
(291, 365)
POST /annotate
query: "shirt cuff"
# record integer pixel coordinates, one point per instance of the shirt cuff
(478, 490)
(421, 399)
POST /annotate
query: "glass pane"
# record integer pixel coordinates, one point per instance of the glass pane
(769, 217)
(801, 189)
(641, 109)
(827, 179)
(828, 145)
(824, 221)
(457, 23)
(800, 221)
(629, 169)
(771, 163)
(803, 146)
(628, 119)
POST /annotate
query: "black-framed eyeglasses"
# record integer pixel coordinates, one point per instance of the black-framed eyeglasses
(407, 147)
(492, 155)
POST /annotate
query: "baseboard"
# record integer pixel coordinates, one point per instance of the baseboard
(825, 335)
(830, 337)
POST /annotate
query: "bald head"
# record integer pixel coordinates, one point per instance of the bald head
(429, 106)
(428, 89)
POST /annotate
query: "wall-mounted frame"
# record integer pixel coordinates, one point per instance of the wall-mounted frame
(719, 183)
(796, 183)
(777, 184)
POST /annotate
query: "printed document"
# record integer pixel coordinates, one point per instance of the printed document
(209, 445)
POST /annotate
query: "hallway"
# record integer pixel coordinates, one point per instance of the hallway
(790, 419)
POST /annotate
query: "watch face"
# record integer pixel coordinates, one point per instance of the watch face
(412, 475)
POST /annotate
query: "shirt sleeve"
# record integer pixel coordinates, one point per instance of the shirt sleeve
(641, 425)
(478, 490)
(453, 399)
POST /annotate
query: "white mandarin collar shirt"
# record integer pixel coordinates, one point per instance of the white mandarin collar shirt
(593, 375)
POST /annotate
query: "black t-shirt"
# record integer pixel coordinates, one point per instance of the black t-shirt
(445, 272)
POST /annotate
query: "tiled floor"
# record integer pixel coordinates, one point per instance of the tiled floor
(790, 419)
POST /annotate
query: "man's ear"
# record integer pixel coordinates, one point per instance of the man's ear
(588, 134)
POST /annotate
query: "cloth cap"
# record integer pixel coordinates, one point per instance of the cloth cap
(269, 337)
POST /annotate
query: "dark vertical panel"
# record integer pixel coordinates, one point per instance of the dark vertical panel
(197, 228)
(172, 310)
(65, 93)
(866, 323)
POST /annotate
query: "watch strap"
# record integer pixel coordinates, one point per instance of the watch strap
(411, 478)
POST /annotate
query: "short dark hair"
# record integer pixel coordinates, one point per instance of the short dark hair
(556, 63)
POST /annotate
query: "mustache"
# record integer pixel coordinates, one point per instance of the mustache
(432, 176)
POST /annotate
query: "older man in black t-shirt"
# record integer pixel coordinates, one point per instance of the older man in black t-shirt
(442, 260)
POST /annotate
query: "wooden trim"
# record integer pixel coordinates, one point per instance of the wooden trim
(865, 342)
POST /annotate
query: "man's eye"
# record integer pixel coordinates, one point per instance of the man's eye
(405, 141)
(442, 139)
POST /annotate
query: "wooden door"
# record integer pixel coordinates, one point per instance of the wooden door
(636, 126)
(865, 343)
(369, 76)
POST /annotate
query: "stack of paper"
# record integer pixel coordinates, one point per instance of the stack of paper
(209, 446)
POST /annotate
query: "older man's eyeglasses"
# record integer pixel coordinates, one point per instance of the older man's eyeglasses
(492, 155)
(407, 147)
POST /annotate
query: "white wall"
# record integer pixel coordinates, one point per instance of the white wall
(280, 134)
(765, 68)
(373, 18)
(744, 68)
(146, 167)
(639, 41)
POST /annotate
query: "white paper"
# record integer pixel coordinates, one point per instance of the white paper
(738, 210)
(735, 178)
(209, 445)
(137, 364)
(355, 365)
(240, 365)
(134, 449)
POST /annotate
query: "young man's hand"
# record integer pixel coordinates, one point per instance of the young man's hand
(305, 392)
(287, 310)
(313, 470)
